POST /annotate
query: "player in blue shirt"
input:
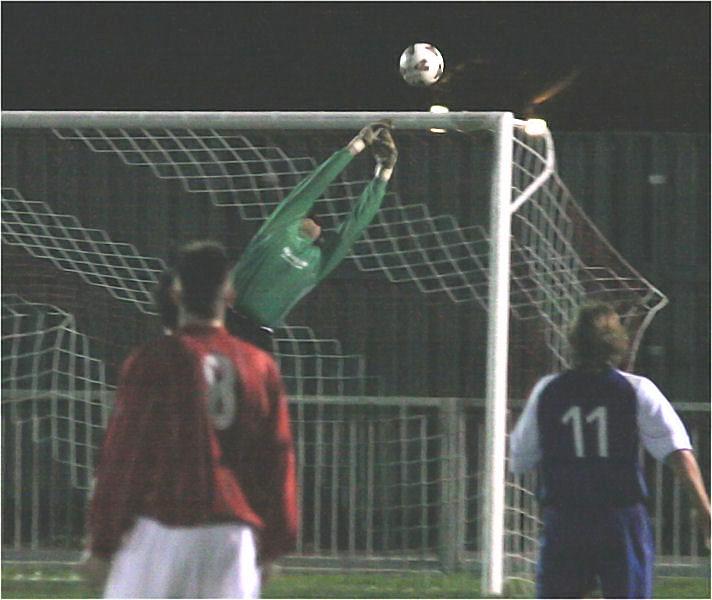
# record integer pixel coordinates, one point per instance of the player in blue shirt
(582, 429)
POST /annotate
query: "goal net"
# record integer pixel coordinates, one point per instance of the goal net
(396, 399)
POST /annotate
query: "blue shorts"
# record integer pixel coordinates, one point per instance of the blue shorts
(579, 548)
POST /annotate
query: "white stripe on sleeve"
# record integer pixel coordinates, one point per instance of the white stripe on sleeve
(524, 444)
(661, 429)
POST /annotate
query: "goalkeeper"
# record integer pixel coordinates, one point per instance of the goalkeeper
(290, 254)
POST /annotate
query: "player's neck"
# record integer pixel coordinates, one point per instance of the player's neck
(188, 320)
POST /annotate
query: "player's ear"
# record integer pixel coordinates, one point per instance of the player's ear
(229, 293)
(176, 290)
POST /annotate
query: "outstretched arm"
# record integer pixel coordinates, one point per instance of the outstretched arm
(339, 244)
(386, 154)
(301, 199)
(685, 465)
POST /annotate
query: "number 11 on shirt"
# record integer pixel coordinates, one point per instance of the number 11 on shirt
(599, 416)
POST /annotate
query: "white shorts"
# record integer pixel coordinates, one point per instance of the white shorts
(206, 561)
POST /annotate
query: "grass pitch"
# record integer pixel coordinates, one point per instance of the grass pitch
(60, 582)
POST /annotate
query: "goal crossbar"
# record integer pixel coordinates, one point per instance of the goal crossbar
(243, 120)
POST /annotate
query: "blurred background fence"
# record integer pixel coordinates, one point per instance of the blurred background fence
(386, 483)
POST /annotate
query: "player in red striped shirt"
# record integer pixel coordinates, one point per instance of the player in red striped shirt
(196, 486)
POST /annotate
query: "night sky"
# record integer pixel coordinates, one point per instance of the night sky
(582, 66)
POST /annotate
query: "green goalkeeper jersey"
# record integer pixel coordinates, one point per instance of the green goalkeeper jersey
(280, 265)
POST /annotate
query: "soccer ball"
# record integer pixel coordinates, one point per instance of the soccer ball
(421, 64)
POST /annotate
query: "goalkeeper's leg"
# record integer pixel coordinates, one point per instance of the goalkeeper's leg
(246, 329)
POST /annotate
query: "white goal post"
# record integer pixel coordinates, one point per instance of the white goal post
(527, 261)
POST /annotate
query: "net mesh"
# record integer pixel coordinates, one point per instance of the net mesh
(406, 242)
(418, 463)
(378, 464)
(51, 381)
(310, 364)
(90, 253)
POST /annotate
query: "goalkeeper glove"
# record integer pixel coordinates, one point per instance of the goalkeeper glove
(385, 152)
(367, 135)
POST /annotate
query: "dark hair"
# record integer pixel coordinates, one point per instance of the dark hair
(164, 302)
(202, 268)
(598, 340)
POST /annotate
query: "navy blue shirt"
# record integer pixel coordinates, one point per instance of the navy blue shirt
(582, 430)
(589, 440)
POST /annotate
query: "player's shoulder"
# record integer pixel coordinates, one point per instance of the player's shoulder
(545, 382)
(649, 399)
(547, 379)
(167, 343)
(253, 355)
(640, 383)
(157, 354)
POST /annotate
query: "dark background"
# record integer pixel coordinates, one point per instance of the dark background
(612, 79)
(624, 86)
(636, 66)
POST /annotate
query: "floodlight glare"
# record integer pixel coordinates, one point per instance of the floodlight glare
(535, 127)
(438, 109)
